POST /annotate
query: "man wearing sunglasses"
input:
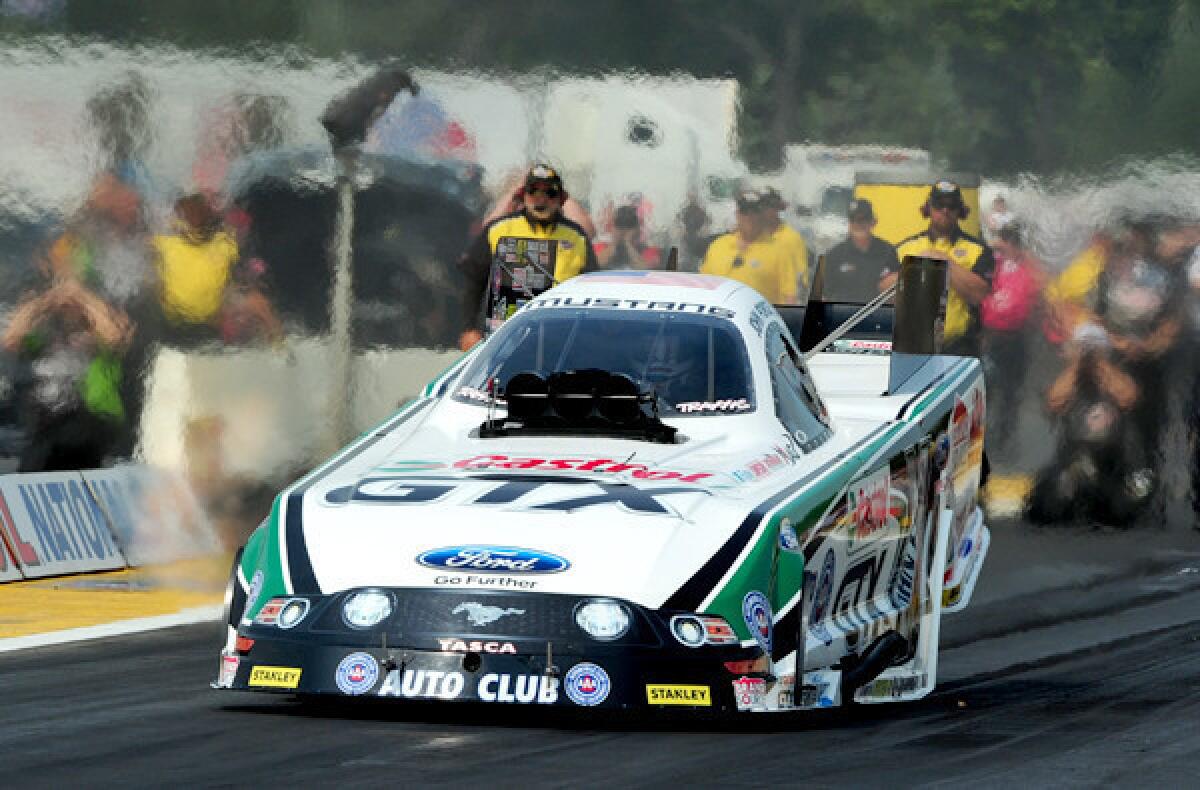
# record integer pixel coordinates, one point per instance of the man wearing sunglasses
(539, 217)
(970, 270)
(751, 255)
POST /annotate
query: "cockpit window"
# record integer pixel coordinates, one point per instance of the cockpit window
(696, 364)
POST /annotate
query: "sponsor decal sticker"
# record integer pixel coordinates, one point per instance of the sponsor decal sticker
(756, 611)
(587, 684)
(472, 580)
(605, 466)
(229, 668)
(269, 614)
(491, 687)
(482, 614)
(256, 585)
(818, 689)
(493, 559)
(275, 677)
(749, 693)
(788, 540)
(903, 574)
(423, 684)
(522, 689)
(699, 406)
(822, 595)
(357, 673)
(787, 696)
(475, 646)
(868, 505)
(863, 346)
(667, 694)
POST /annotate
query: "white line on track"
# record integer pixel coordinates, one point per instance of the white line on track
(198, 614)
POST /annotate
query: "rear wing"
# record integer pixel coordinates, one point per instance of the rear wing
(910, 330)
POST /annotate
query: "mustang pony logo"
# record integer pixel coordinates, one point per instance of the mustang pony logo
(479, 614)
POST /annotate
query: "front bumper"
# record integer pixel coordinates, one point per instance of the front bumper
(612, 681)
(649, 670)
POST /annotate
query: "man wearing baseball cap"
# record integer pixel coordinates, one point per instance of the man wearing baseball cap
(539, 217)
(785, 235)
(970, 270)
(749, 255)
(856, 265)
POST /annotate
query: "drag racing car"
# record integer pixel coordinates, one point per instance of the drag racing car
(638, 493)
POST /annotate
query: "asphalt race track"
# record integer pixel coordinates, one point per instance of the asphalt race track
(1077, 665)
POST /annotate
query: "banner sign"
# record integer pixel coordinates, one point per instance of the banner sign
(54, 523)
(54, 526)
(9, 569)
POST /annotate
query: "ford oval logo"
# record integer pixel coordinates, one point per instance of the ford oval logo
(493, 559)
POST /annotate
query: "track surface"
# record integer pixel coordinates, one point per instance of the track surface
(1064, 687)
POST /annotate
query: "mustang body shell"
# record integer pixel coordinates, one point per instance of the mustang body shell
(811, 548)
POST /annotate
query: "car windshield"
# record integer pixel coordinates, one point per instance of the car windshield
(696, 364)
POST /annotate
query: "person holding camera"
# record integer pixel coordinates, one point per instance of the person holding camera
(625, 250)
(970, 269)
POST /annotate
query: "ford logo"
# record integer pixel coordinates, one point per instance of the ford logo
(493, 559)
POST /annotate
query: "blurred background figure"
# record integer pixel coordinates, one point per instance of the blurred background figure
(71, 406)
(104, 246)
(997, 217)
(121, 117)
(692, 231)
(1141, 305)
(247, 315)
(856, 264)
(1007, 314)
(1070, 297)
(750, 255)
(194, 266)
(625, 248)
(787, 238)
(247, 123)
(1095, 475)
(105, 249)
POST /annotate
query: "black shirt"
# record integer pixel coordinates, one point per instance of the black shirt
(852, 274)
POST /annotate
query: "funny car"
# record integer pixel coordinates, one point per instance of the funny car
(638, 493)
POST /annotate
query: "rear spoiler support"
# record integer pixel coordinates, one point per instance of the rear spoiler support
(920, 317)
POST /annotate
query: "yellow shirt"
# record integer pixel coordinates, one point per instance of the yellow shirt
(968, 252)
(765, 265)
(791, 240)
(1078, 281)
(571, 253)
(193, 275)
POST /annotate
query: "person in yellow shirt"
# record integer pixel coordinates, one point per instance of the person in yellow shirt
(970, 270)
(540, 217)
(750, 255)
(1070, 296)
(194, 265)
(788, 237)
